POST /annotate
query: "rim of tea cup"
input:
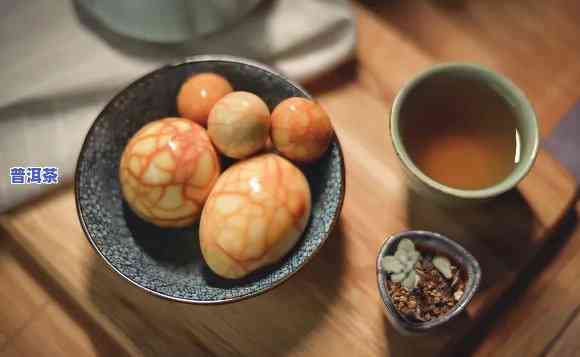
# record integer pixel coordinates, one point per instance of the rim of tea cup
(504, 87)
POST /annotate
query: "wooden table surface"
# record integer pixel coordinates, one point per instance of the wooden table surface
(68, 302)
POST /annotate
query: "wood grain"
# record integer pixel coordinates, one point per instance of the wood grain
(533, 42)
(568, 344)
(537, 319)
(25, 299)
(341, 305)
(332, 306)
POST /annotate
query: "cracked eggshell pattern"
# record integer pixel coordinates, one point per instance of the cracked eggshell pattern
(301, 129)
(255, 214)
(239, 124)
(198, 95)
(167, 171)
(168, 262)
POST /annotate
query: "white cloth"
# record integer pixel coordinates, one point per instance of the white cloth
(59, 69)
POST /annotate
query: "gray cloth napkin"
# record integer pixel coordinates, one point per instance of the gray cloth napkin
(60, 66)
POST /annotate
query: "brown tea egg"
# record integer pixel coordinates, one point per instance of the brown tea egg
(239, 124)
(167, 171)
(199, 94)
(301, 129)
(255, 214)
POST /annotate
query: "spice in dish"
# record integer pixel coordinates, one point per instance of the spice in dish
(432, 285)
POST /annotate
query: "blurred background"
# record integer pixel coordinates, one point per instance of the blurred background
(65, 59)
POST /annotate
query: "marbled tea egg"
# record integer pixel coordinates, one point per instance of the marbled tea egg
(239, 124)
(255, 214)
(167, 171)
(301, 129)
(198, 95)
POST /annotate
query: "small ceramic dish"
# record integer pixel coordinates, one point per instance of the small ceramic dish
(168, 262)
(433, 242)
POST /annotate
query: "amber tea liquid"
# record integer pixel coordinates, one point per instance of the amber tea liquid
(460, 132)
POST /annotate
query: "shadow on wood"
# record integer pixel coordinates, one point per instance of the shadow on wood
(498, 233)
(172, 246)
(103, 345)
(420, 345)
(550, 252)
(333, 80)
(160, 327)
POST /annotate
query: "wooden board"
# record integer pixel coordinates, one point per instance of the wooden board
(537, 318)
(332, 306)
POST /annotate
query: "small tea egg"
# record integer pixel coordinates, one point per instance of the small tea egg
(301, 129)
(199, 94)
(239, 124)
(167, 170)
(255, 214)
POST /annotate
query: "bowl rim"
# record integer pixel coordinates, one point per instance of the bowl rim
(422, 327)
(481, 73)
(183, 62)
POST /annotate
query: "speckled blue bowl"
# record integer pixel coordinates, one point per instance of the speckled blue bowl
(168, 262)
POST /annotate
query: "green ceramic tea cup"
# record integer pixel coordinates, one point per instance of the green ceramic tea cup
(436, 80)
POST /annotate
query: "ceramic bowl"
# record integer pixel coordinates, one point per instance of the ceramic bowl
(169, 21)
(436, 79)
(168, 262)
(437, 243)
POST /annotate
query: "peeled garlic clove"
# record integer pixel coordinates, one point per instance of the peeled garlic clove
(443, 265)
(417, 279)
(396, 278)
(402, 256)
(406, 245)
(411, 281)
(414, 256)
(392, 265)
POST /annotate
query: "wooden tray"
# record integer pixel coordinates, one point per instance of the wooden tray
(332, 307)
